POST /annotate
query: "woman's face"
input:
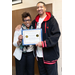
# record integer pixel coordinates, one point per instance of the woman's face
(27, 21)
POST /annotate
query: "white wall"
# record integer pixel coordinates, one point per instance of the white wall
(26, 3)
(57, 12)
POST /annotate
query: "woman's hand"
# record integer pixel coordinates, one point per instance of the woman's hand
(20, 39)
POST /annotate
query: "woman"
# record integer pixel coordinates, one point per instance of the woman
(24, 55)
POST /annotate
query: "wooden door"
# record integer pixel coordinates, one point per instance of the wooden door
(16, 20)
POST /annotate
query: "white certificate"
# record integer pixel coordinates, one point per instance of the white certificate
(31, 36)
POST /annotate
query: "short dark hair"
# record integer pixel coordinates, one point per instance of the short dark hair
(42, 3)
(25, 14)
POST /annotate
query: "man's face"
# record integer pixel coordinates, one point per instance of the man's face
(27, 21)
(41, 8)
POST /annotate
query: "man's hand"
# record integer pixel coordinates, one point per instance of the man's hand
(39, 44)
(20, 39)
(18, 27)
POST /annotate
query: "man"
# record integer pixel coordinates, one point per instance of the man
(47, 51)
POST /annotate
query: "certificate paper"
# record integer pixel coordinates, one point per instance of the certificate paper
(31, 36)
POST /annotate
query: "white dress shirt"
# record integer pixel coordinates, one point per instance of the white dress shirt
(39, 51)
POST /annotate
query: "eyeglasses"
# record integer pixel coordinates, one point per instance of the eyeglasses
(27, 20)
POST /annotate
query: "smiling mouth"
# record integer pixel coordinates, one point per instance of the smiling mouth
(40, 10)
(27, 24)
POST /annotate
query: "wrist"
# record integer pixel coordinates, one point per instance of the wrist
(42, 43)
(18, 43)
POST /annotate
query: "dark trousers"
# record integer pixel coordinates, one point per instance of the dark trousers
(45, 69)
(25, 66)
